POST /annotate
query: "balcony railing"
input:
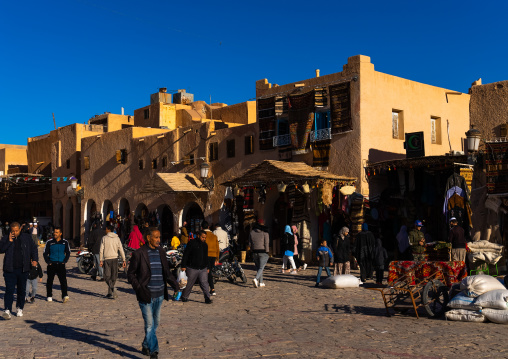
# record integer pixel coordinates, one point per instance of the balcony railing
(320, 135)
(282, 140)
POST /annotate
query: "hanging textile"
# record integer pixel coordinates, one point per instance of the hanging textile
(248, 198)
(340, 106)
(496, 162)
(327, 193)
(321, 153)
(267, 122)
(281, 105)
(301, 118)
(320, 97)
(460, 208)
(300, 207)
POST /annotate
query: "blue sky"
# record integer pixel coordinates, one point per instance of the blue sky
(78, 58)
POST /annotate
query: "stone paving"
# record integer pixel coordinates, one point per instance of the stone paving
(289, 318)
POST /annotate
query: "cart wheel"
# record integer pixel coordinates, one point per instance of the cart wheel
(435, 298)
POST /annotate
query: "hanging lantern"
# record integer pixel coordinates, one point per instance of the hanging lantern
(306, 188)
(281, 187)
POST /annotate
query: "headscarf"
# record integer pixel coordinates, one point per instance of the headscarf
(293, 227)
(365, 227)
(288, 230)
(135, 238)
(343, 231)
(403, 239)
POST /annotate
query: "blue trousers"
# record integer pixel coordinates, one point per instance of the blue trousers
(320, 269)
(16, 279)
(260, 260)
(151, 315)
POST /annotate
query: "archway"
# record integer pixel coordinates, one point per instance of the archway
(141, 213)
(107, 209)
(193, 215)
(166, 220)
(124, 211)
(58, 215)
(69, 221)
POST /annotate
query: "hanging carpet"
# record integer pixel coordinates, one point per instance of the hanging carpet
(321, 153)
(301, 117)
(496, 161)
(340, 106)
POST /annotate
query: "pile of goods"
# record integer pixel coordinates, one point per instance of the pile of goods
(433, 251)
(481, 252)
(482, 298)
(341, 281)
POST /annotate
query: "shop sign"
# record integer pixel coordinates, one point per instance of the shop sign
(467, 173)
(414, 145)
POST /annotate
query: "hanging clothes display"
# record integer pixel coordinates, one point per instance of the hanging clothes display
(457, 201)
(301, 118)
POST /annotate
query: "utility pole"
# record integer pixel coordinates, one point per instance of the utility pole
(54, 122)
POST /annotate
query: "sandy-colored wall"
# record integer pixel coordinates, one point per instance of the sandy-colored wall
(381, 93)
(12, 155)
(489, 108)
(241, 113)
(115, 121)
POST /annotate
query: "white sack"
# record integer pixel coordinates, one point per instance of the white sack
(462, 301)
(499, 316)
(476, 285)
(341, 281)
(495, 299)
(463, 315)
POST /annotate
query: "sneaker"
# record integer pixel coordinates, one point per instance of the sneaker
(261, 284)
(213, 292)
(66, 299)
(49, 299)
(283, 271)
(6, 315)
(145, 351)
(32, 300)
(304, 266)
(256, 283)
(19, 313)
(208, 301)
(293, 272)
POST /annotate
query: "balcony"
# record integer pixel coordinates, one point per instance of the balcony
(321, 135)
(282, 140)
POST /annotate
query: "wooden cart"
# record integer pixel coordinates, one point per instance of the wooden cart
(409, 291)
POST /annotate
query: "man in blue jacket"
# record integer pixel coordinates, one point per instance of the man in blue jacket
(56, 254)
(20, 254)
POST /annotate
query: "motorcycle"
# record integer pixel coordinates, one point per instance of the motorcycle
(228, 267)
(85, 261)
(174, 257)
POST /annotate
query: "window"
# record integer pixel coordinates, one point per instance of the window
(282, 126)
(249, 145)
(397, 124)
(188, 160)
(230, 148)
(146, 113)
(154, 164)
(141, 164)
(164, 162)
(68, 164)
(121, 156)
(87, 163)
(435, 130)
(213, 151)
(322, 120)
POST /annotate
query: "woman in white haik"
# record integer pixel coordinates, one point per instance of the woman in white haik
(289, 245)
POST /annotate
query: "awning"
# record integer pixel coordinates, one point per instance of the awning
(273, 172)
(173, 182)
(432, 163)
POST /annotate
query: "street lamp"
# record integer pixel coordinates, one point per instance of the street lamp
(207, 182)
(473, 141)
(75, 190)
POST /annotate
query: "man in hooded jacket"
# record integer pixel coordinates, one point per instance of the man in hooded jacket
(111, 246)
(365, 246)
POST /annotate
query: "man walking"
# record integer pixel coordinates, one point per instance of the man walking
(195, 264)
(56, 254)
(458, 240)
(110, 247)
(259, 242)
(20, 254)
(213, 253)
(149, 274)
(222, 237)
(94, 246)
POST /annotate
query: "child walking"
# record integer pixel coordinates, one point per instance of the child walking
(31, 282)
(324, 257)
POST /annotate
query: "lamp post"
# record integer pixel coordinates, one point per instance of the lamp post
(207, 182)
(76, 190)
(473, 141)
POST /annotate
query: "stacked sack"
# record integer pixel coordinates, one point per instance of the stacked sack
(482, 297)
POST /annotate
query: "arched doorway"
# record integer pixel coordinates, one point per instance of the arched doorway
(57, 220)
(107, 209)
(193, 215)
(166, 219)
(141, 213)
(69, 222)
(124, 211)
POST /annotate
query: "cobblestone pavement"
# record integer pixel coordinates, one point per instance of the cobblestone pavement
(287, 318)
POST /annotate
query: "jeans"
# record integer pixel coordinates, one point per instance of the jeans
(111, 274)
(59, 270)
(17, 279)
(151, 315)
(97, 269)
(260, 260)
(33, 284)
(320, 269)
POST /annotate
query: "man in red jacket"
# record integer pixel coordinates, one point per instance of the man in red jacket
(149, 275)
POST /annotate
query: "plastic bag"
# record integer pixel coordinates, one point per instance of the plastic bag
(341, 281)
(476, 285)
(495, 299)
(182, 279)
(462, 301)
(464, 315)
